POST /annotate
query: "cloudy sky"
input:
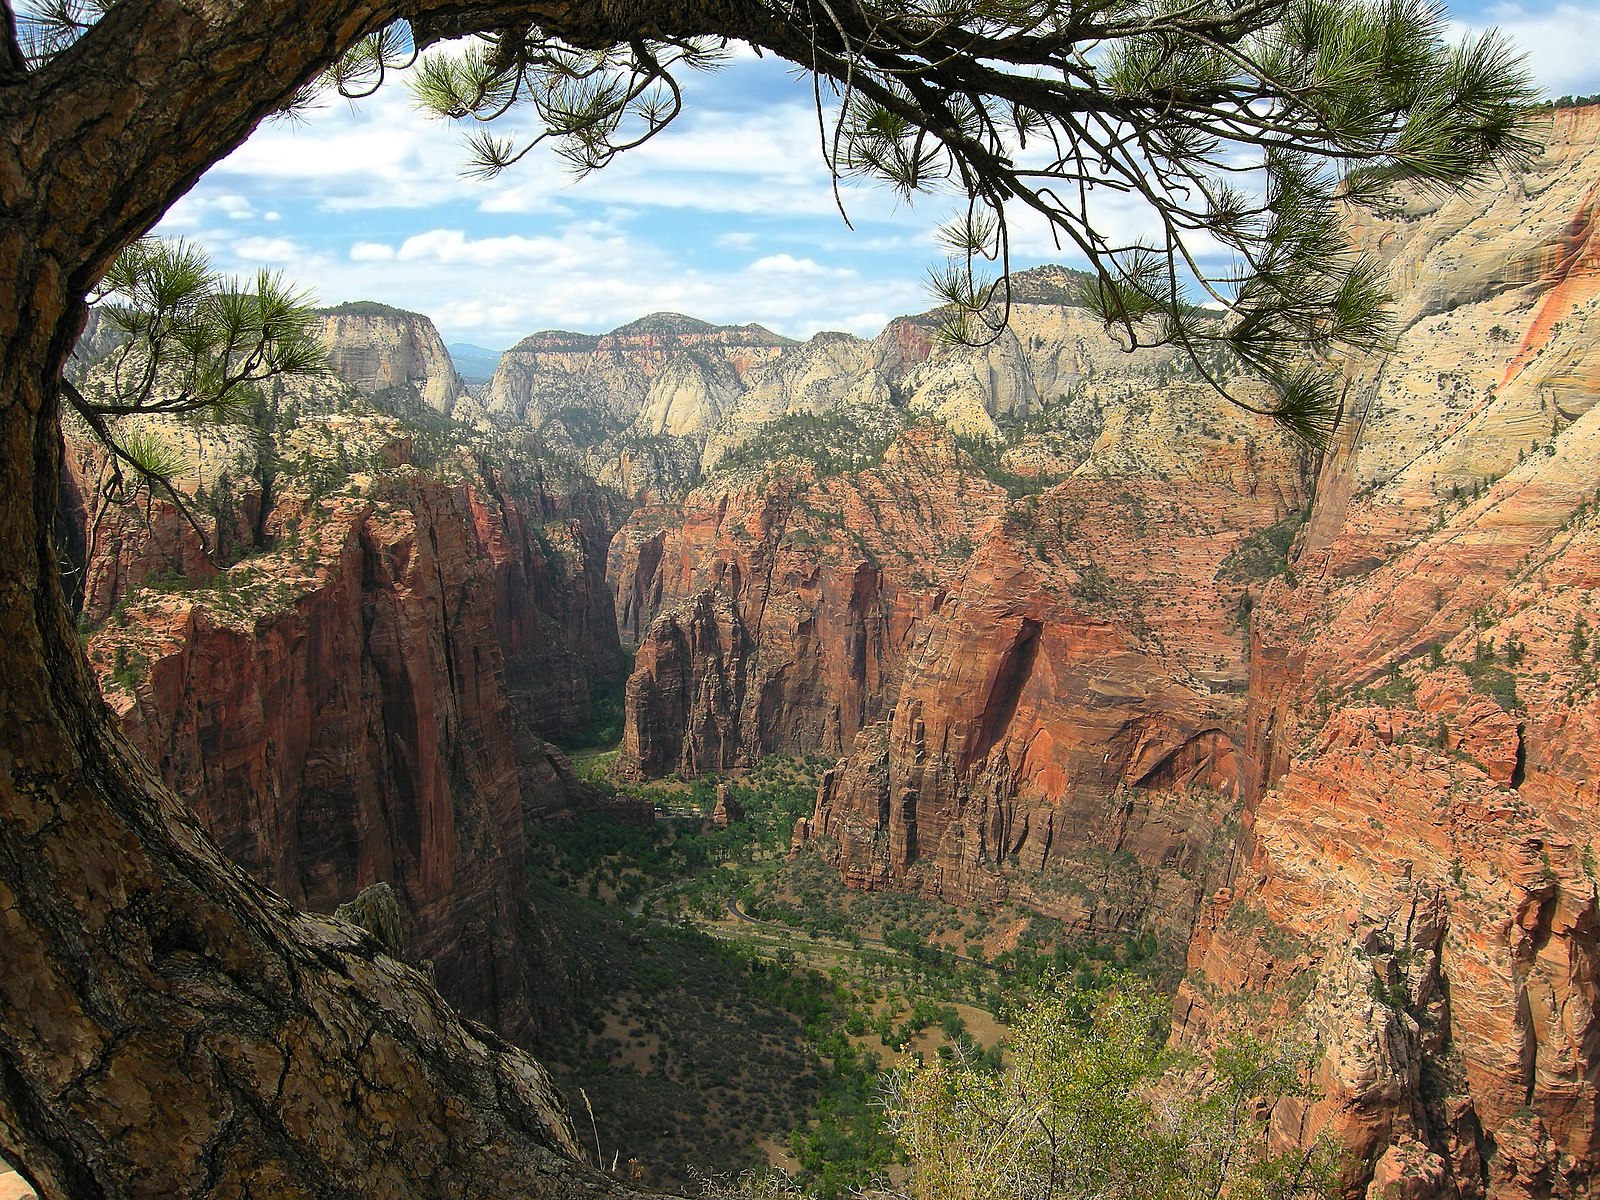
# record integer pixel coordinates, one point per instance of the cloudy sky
(728, 216)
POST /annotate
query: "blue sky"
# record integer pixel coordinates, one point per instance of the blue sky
(728, 216)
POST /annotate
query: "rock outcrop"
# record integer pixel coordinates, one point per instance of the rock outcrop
(652, 405)
(378, 349)
(663, 375)
(358, 698)
(1410, 720)
(728, 811)
(773, 614)
(1069, 726)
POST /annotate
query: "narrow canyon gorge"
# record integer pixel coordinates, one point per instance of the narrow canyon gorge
(1076, 636)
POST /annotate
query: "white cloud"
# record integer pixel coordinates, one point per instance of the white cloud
(1560, 43)
(381, 153)
(371, 252)
(788, 264)
(578, 247)
(276, 251)
(194, 210)
(730, 218)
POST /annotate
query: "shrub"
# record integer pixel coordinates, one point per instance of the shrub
(1088, 1105)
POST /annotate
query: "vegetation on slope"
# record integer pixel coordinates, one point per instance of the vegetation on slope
(746, 1011)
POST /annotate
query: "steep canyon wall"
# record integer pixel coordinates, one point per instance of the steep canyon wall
(1416, 887)
(352, 685)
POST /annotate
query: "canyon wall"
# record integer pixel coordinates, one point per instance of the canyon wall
(376, 348)
(1115, 668)
(772, 614)
(1415, 886)
(1019, 617)
(350, 687)
(664, 374)
(1068, 731)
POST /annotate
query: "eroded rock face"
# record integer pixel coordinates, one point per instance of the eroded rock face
(361, 702)
(1416, 882)
(773, 615)
(1067, 731)
(1020, 683)
(664, 375)
(377, 349)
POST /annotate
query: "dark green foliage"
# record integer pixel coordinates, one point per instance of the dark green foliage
(1093, 584)
(847, 1146)
(1397, 689)
(682, 852)
(606, 712)
(1494, 681)
(363, 308)
(1264, 554)
(583, 425)
(129, 668)
(834, 443)
(739, 1044)
(1515, 650)
(987, 458)
(704, 1052)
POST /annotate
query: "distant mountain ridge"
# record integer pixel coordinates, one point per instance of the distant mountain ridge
(475, 364)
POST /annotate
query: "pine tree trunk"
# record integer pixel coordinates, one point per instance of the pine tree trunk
(168, 1028)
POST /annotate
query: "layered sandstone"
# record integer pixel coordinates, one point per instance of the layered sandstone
(1019, 679)
(379, 349)
(1416, 884)
(653, 403)
(663, 375)
(358, 697)
(772, 612)
(1068, 729)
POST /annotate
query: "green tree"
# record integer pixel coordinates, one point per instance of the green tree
(1090, 1104)
(167, 1027)
(189, 341)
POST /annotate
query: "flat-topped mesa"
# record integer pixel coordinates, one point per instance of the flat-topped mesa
(1415, 884)
(382, 350)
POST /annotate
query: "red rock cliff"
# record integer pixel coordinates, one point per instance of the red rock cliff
(773, 615)
(1068, 729)
(361, 702)
(1416, 883)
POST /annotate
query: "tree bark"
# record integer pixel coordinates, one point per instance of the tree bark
(167, 1027)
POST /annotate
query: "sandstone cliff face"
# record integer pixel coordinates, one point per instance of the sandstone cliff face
(1067, 731)
(360, 701)
(1069, 723)
(1039, 387)
(772, 615)
(375, 348)
(651, 405)
(1024, 681)
(1416, 883)
(662, 375)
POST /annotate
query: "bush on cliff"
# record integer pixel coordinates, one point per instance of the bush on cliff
(1091, 1104)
